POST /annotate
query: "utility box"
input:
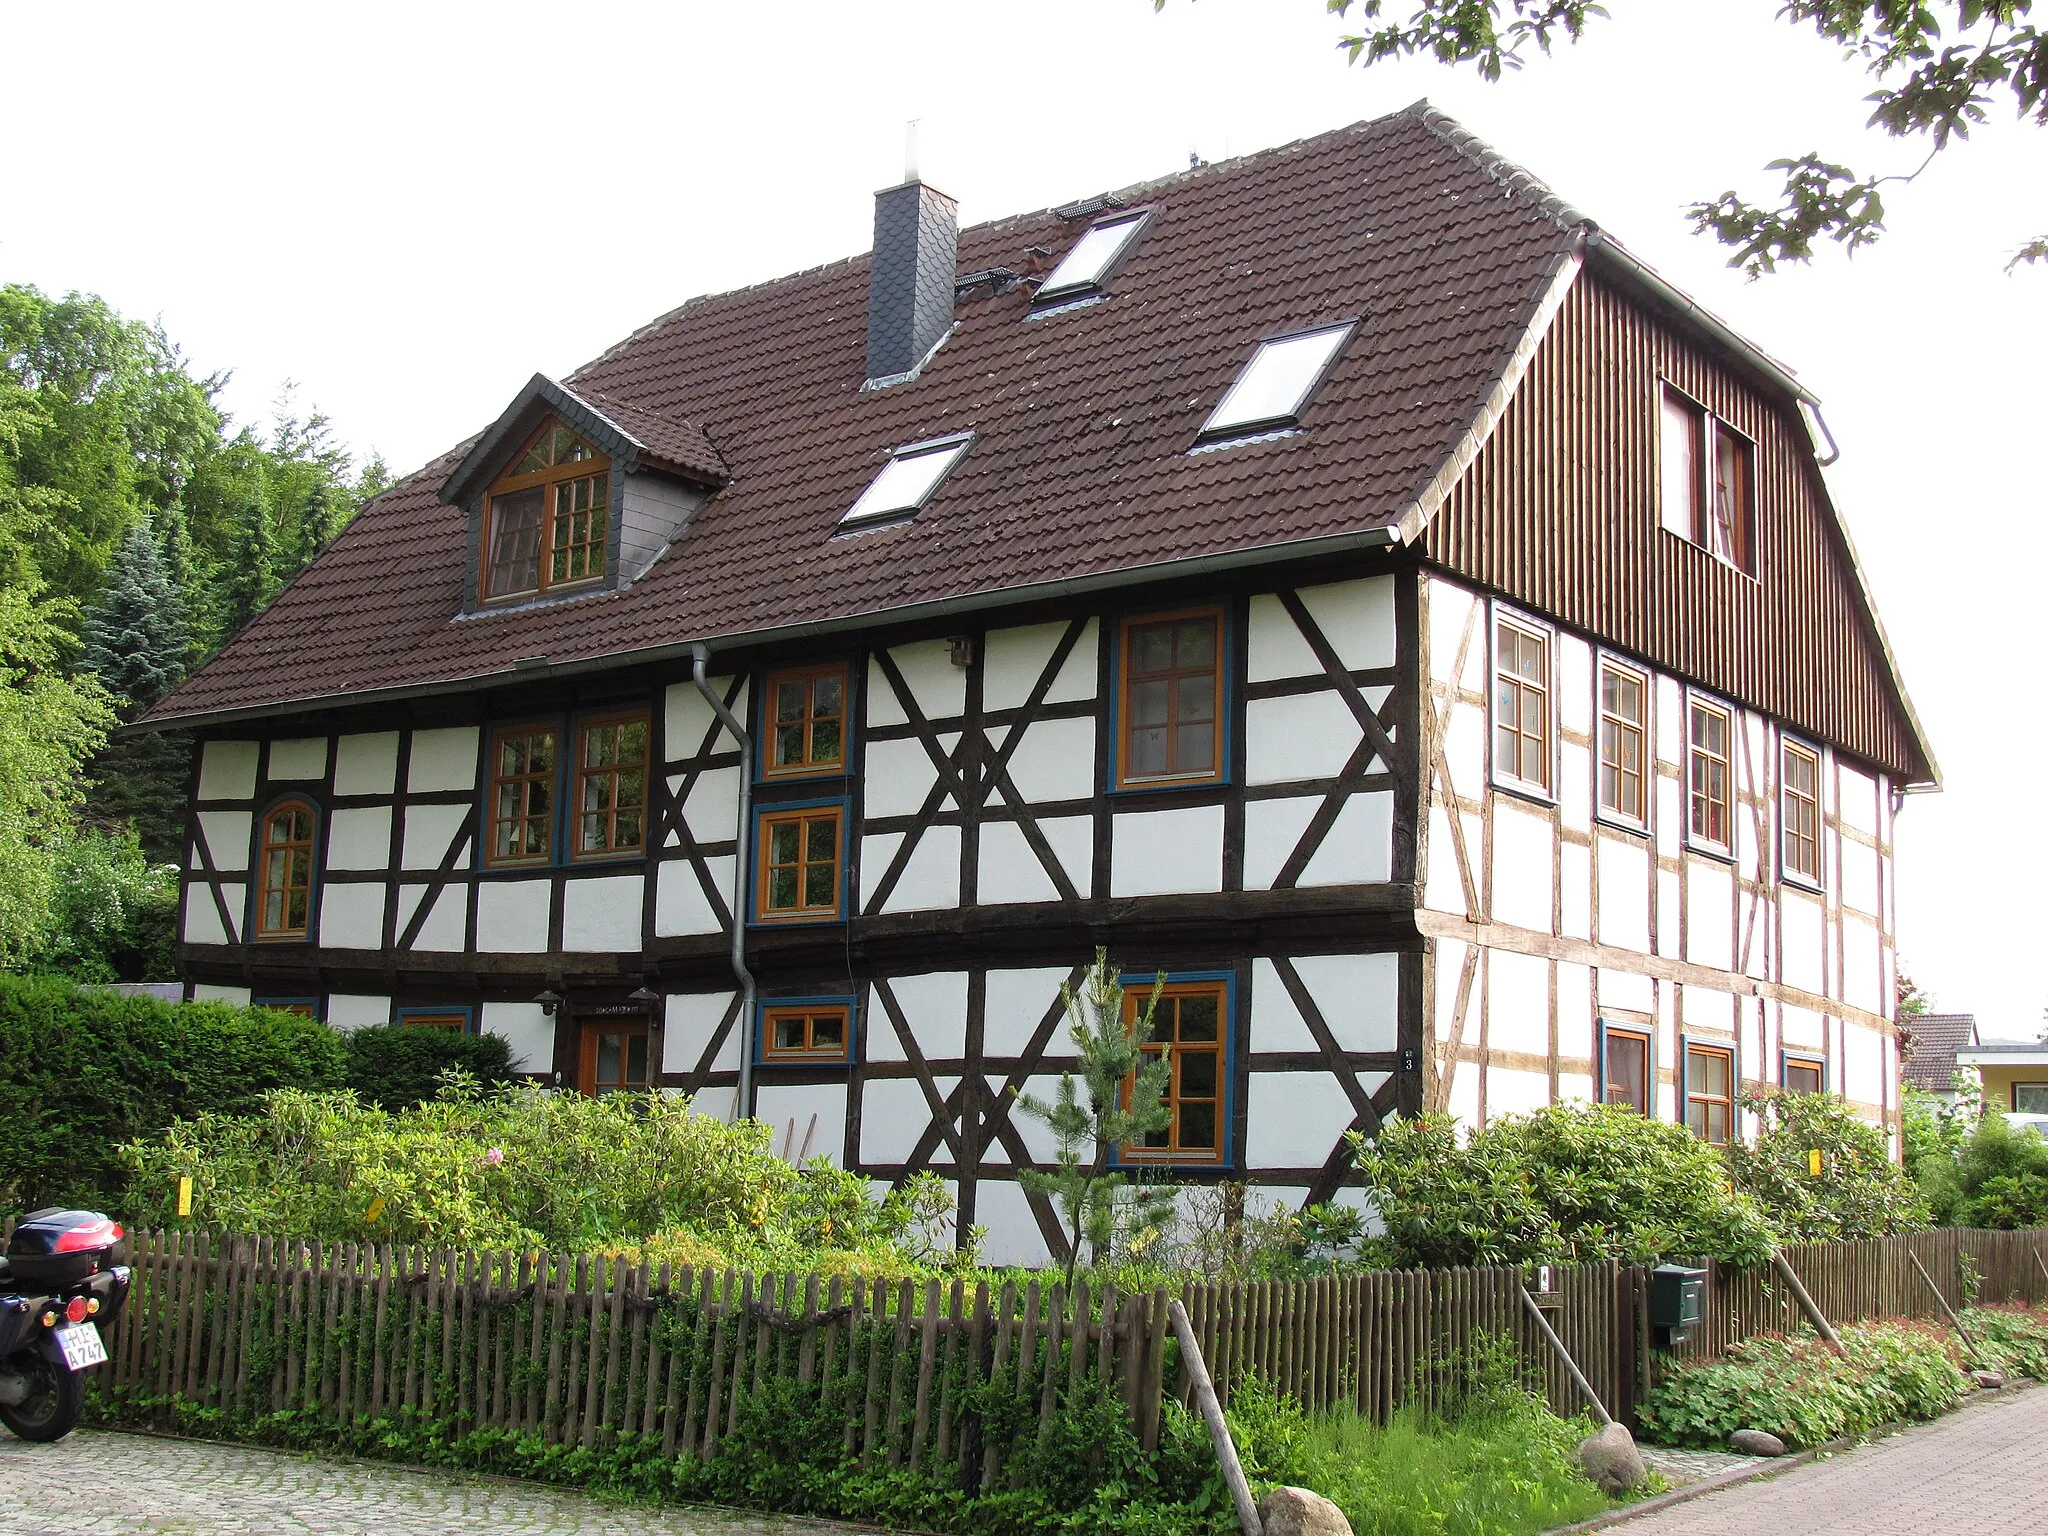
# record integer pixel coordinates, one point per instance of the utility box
(1678, 1302)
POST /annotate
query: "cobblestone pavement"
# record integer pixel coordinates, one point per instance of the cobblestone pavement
(1681, 1468)
(1977, 1470)
(100, 1484)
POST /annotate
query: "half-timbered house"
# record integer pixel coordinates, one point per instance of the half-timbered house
(1342, 579)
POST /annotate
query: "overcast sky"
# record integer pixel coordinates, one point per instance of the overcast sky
(409, 209)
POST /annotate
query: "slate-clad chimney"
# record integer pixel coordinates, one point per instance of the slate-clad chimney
(910, 289)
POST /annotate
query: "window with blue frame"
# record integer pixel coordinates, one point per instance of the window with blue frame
(1192, 1025)
(1626, 1072)
(529, 820)
(800, 862)
(803, 723)
(305, 1007)
(1802, 1074)
(284, 872)
(805, 1032)
(1171, 714)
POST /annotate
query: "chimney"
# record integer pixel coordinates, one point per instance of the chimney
(910, 287)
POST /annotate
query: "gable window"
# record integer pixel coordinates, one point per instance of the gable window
(1189, 1025)
(284, 900)
(807, 721)
(1624, 711)
(1802, 1074)
(1276, 385)
(1709, 775)
(1521, 705)
(1710, 1092)
(547, 518)
(1625, 1068)
(522, 796)
(1171, 707)
(1800, 812)
(907, 481)
(799, 864)
(799, 1032)
(1707, 477)
(611, 786)
(1087, 266)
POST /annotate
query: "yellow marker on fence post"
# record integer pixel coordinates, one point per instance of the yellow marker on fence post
(185, 1195)
(1813, 1162)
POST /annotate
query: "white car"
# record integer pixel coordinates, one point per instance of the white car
(2027, 1120)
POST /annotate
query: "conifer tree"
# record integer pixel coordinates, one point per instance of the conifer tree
(136, 644)
(251, 580)
(1088, 1133)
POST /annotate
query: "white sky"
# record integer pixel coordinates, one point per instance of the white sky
(411, 208)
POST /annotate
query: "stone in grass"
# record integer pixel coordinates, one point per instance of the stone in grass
(1756, 1442)
(1297, 1512)
(1611, 1460)
(1988, 1381)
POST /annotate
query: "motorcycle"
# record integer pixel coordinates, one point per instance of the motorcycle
(58, 1287)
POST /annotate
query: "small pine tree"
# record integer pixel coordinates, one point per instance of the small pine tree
(319, 520)
(1086, 1134)
(137, 645)
(135, 636)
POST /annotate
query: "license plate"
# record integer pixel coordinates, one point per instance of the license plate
(82, 1346)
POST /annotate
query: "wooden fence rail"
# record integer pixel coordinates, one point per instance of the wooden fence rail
(583, 1349)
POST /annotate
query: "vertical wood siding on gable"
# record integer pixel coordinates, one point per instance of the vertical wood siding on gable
(1559, 512)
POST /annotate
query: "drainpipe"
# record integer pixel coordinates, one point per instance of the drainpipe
(700, 657)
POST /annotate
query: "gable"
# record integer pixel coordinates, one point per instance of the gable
(1559, 510)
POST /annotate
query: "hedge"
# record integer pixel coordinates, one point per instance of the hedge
(83, 1070)
(393, 1067)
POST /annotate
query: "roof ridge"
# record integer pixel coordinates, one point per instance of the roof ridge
(1511, 175)
(1033, 215)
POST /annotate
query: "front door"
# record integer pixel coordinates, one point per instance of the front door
(614, 1056)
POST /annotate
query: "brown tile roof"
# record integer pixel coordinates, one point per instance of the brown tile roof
(1084, 418)
(1936, 1038)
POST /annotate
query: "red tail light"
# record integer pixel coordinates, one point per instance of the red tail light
(97, 1234)
(76, 1311)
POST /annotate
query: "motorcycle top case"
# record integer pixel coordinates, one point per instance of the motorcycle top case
(33, 1252)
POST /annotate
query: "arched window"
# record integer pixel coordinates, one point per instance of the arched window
(284, 897)
(547, 517)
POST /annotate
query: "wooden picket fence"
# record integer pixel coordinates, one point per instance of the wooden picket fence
(948, 1377)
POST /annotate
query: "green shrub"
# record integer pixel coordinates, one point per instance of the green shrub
(2010, 1339)
(1998, 1178)
(392, 1066)
(114, 916)
(529, 1168)
(1860, 1192)
(1566, 1183)
(1801, 1391)
(83, 1070)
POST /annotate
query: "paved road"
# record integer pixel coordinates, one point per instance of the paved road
(1978, 1470)
(101, 1484)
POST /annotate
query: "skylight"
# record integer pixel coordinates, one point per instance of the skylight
(908, 479)
(1089, 262)
(1276, 384)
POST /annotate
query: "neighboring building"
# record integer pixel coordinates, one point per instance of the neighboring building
(1932, 1042)
(1342, 578)
(2014, 1073)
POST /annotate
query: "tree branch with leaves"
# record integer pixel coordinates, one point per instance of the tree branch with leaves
(1941, 67)
(1093, 1115)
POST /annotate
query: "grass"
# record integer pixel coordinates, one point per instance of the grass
(1505, 1466)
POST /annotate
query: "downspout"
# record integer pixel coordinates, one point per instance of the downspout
(700, 657)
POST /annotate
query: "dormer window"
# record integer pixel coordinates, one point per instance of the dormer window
(1085, 268)
(1276, 384)
(547, 516)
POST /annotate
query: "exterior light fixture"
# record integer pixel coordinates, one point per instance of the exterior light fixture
(550, 1001)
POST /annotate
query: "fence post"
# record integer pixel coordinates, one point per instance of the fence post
(1212, 1414)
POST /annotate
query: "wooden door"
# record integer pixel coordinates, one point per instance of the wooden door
(615, 1056)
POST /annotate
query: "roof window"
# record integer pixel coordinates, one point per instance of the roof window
(1278, 381)
(1093, 257)
(907, 480)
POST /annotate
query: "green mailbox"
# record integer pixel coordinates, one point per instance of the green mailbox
(1678, 1301)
